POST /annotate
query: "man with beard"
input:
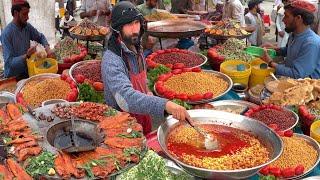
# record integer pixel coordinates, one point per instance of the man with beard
(124, 71)
(302, 51)
(253, 18)
(16, 41)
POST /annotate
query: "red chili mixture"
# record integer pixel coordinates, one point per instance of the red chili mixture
(238, 149)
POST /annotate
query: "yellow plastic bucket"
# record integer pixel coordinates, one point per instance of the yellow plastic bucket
(258, 75)
(34, 66)
(230, 68)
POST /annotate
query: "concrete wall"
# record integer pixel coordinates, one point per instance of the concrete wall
(41, 16)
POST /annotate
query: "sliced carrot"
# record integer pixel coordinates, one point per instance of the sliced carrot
(13, 111)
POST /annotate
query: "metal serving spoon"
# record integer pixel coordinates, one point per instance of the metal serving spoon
(210, 143)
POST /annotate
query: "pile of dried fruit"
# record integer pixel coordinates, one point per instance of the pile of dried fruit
(68, 51)
(174, 58)
(226, 27)
(88, 28)
(190, 85)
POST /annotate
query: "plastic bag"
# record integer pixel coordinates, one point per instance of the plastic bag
(40, 50)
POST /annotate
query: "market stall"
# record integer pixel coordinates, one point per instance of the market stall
(58, 125)
(89, 32)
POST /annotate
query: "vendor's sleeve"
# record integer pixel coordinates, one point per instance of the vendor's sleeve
(282, 52)
(304, 65)
(127, 98)
(37, 36)
(14, 66)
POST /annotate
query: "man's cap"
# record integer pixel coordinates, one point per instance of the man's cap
(17, 2)
(123, 13)
(303, 5)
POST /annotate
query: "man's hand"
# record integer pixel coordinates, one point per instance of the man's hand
(31, 51)
(281, 33)
(268, 45)
(177, 111)
(50, 53)
(265, 57)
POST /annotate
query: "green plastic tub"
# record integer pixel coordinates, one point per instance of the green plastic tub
(258, 51)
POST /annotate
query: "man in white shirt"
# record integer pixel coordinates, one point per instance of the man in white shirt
(282, 34)
(96, 10)
(233, 9)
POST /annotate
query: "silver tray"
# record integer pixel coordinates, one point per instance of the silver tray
(219, 74)
(79, 64)
(239, 103)
(314, 144)
(22, 83)
(267, 136)
(175, 28)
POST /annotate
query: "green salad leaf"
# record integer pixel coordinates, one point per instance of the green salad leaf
(88, 94)
(153, 75)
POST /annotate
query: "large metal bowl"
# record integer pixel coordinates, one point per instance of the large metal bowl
(73, 67)
(218, 74)
(176, 28)
(267, 136)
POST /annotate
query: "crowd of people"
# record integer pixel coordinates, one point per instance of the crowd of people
(124, 65)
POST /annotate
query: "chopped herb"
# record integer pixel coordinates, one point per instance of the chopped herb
(95, 162)
(21, 109)
(1, 176)
(40, 165)
(116, 161)
(111, 112)
(133, 134)
(1, 120)
(152, 167)
(7, 140)
(131, 151)
(182, 103)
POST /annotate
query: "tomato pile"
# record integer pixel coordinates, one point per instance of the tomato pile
(73, 95)
(272, 114)
(173, 58)
(307, 118)
(161, 89)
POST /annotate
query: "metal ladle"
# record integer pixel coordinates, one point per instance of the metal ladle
(273, 76)
(210, 143)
